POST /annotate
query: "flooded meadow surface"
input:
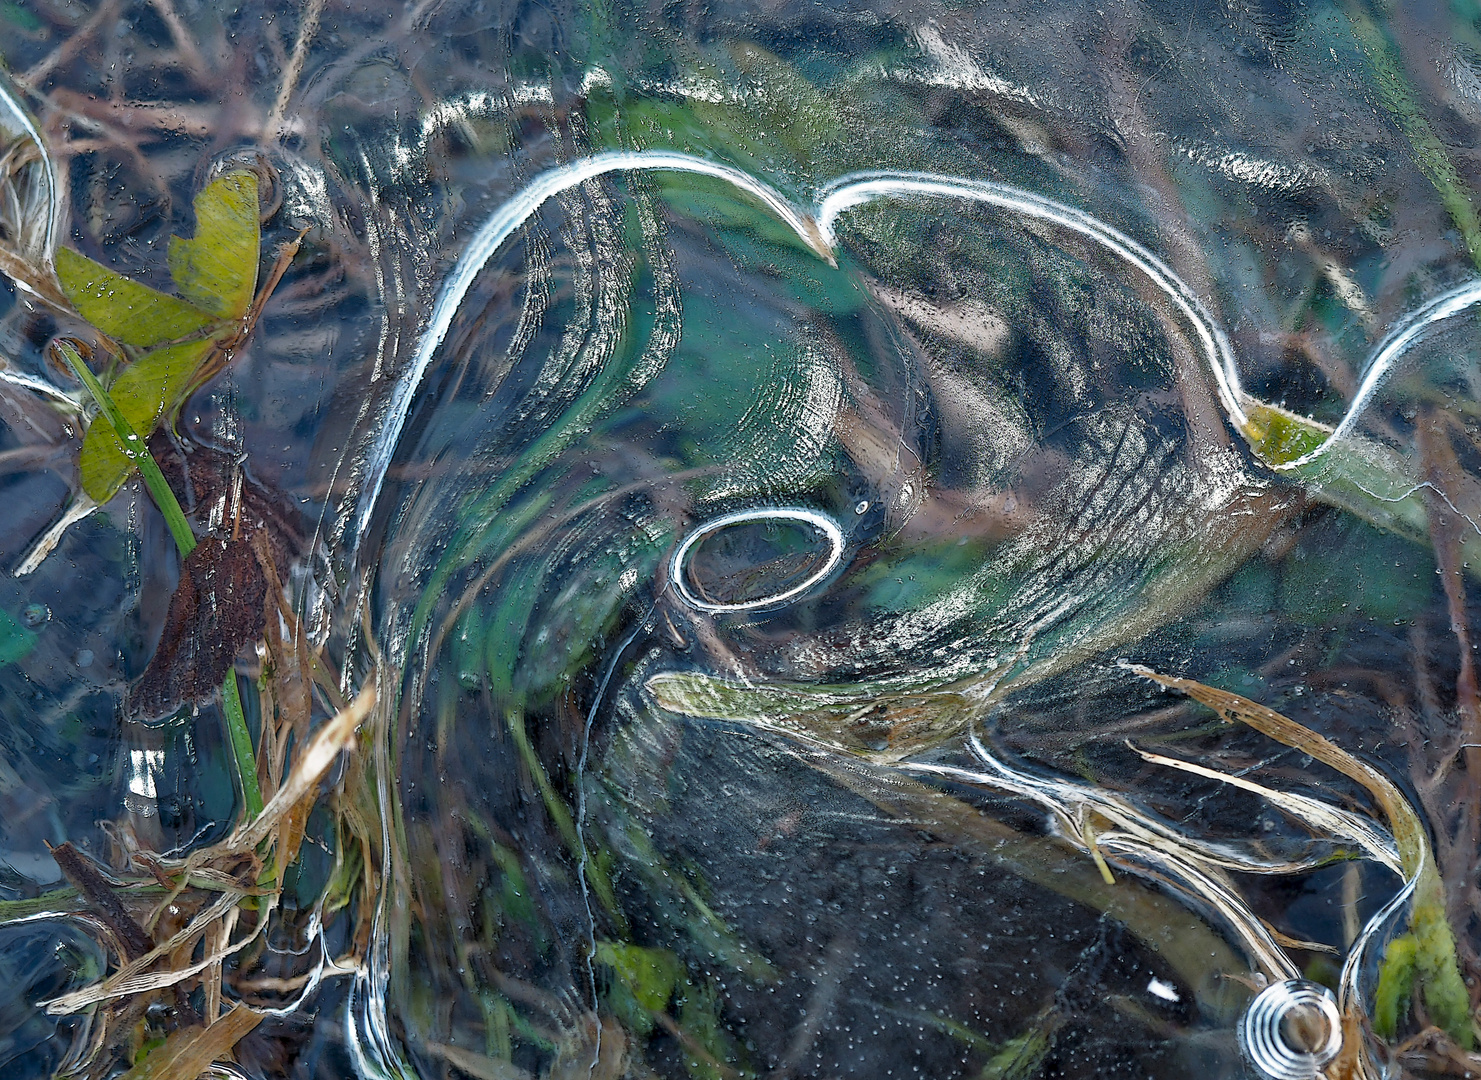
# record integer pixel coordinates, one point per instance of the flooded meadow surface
(844, 540)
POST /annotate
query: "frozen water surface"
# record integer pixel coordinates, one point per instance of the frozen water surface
(887, 541)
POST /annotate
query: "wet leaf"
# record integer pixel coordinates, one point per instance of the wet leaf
(125, 309)
(1409, 833)
(217, 608)
(217, 269)
(1395, 986)
(335, 736)
(1363, 477)
(1280, 436)
(134, 450)
(710, 1049)
(646, 977)
(651, 974)
(145, 393)
(1021, 1056)
(869, 721)
(216, 273)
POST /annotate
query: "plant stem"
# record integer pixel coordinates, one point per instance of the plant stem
(135, 450)
(241, 744)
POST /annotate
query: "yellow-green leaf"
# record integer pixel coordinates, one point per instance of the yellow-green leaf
(1395, 986)
(1281, 436)
(124, 309)
(217, 270)
(146, 391)
(650, 975)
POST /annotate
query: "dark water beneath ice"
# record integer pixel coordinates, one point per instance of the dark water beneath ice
(740, 444)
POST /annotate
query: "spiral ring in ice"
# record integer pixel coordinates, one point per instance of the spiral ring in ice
(1291, 1030)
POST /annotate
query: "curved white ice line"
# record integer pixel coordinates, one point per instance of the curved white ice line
(814, 228)
(487, 241)
(1349, 993)
(859, 188)
(15, 120)
(1405, 333)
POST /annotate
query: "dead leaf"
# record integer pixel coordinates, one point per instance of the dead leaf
(336, 735)
(220, 602)
(189, 1052)
(217, 608)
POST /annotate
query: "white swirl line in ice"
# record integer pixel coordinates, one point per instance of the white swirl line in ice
(487, 241)
(815, 229)
(1405, 333)
(859, 188)
(824, 524)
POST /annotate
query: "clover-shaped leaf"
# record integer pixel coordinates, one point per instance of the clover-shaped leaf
(216, 275)
(217, 269)
(124, 309)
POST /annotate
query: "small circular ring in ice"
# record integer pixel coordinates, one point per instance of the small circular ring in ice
(824, 524)
(1292, 1030)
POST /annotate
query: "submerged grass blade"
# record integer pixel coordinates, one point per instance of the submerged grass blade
(596, 876)
(241, 745)
(1398, 97)
(135, 450)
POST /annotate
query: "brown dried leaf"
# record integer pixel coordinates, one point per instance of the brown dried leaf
(207, 479)
(1409, 833)
(217, 608)
(189, 1052)
(313, 761)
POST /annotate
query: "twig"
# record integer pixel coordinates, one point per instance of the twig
(184, 43)
(101, 898)
(313, 762)
(69, 48)
(308, 25)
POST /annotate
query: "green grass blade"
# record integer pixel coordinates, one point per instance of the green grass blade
(1430, 154)
(241, 744)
